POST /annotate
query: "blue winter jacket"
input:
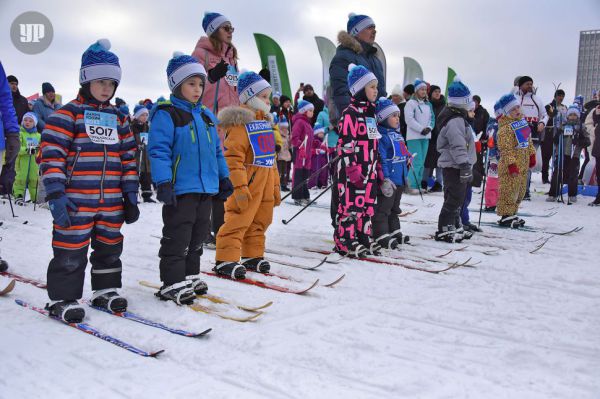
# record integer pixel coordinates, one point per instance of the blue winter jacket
(185, 151)
(8, 116)
(43, 112)
(394, 155)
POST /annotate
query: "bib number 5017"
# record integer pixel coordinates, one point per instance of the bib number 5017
(101, 130)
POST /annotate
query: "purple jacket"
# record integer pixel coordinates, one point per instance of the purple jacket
(302, 138)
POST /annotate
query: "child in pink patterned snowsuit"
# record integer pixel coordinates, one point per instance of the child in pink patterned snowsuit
(357, 168)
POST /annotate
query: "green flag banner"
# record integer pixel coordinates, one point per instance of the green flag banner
(327, 52)
(450, 79)
(272, 57)
(412, 71)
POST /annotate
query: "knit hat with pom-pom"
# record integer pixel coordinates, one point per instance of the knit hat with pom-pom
(357, 23)
(358, 78)
(384, 108)
(459, 94)
(250, 84)
(181, 67)
(212, 21)
(97, 62)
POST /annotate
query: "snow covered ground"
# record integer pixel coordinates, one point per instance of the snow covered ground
(518, 325)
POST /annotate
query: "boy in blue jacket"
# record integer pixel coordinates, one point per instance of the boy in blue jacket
(394, 156)
(188, 169)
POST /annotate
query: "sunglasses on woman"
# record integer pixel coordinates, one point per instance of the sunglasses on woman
(228, 28)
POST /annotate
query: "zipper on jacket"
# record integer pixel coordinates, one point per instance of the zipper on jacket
(175, 169)
(102, 177)
(73, 167)
(251, 178)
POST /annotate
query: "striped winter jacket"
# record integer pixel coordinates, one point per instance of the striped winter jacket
(70, 162)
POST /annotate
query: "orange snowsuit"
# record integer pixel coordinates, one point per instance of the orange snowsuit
(250, 156)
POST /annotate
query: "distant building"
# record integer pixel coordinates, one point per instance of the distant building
(588, 64)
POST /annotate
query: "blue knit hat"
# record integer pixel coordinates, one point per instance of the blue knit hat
(250, 84)
(31, 115)
(97, 62)
(358, 78)
(276, 95)
(181, 67)
(139, 110)
(459, 94)
(579, 102)
(305, 106)
(507, 103)
(318, 128)
(419, 83)
(574, 109)
(212, 21)
(497, 110)
(357, 23)
(384, 108)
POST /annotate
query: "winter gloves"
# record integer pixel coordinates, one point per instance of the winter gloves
(513, 170)
(59, 207)
(218, 71)
(165, 194)
(466, 173)
(7, 177)
(225, 189)
(132, 212)
(531, 161)
(242, 197)
(426, 131)
(387, 187)
(355, 176)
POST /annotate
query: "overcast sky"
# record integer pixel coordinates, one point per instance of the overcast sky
(488, 43)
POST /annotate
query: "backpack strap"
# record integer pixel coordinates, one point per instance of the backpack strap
(180, 117)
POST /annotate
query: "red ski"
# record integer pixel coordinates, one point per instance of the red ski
(26, 280)
(267, 285)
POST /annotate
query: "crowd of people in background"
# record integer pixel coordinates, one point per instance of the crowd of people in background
(220, 150)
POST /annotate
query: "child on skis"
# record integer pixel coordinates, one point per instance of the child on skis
(140, 128)
(491, 185)
(569, 141)
(319, 158)
(89, 172)
(284, 156)
(302, 139)
(27, 168)
(394, 155)
(188, 169)
(357, 167)
(517, 156)
(250, 155)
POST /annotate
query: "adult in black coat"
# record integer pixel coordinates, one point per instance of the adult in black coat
(19, 102)
(482, 116)
(311, 97)
(596, 150)
(408, 91)
(438, 102)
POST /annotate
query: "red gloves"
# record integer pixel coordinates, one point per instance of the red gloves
(513, 170)
(355, 176)
(531, 161)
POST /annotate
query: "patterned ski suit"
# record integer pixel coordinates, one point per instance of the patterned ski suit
(515, 147)
(357, 145)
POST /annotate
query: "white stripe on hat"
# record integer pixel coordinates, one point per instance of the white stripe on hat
(184, 72)
(306, 108)
(386, 112)
(460, 100)
(140, 112)
(99, 71)
(362, 82)
(508, 107)
(215, 24)
(364, 24)
(253, 90)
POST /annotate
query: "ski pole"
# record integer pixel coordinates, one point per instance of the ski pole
(487, 164)
(316, 173)
(11, 206)
(306, 206)
(27, 179)
(215, 102)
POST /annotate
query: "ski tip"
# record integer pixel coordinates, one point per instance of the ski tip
(155, 354)
(202, 334)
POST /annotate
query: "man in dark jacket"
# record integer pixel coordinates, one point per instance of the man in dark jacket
(355, 47)
(438, 102)
(482, 117)
(311, 97)
(596, 150)
(19, 102)
(557, 112)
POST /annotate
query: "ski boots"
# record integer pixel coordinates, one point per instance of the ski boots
(181, 293)
(513, 222)
(109, 299)
(197, 284)
(230, 269)
(256, 265)
(67, 311)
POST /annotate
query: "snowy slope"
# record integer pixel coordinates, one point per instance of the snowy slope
(518, 325)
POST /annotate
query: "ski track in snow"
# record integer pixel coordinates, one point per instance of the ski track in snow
(517, 325)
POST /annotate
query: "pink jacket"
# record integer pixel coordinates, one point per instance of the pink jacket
(206, 55)
(302, 141)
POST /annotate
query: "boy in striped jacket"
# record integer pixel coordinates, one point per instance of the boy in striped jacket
(90, 176)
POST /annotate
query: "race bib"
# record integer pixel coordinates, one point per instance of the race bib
(232, 76)
(101, 127)
(522, 133)
(568, 130)
(144, 138)
(372, 131)
(400, 151)
(262, 141)
(32, 142)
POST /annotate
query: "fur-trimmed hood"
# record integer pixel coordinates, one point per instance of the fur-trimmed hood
(235, 116)
(347, 40)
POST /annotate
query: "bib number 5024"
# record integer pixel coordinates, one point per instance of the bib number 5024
(101, 130)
